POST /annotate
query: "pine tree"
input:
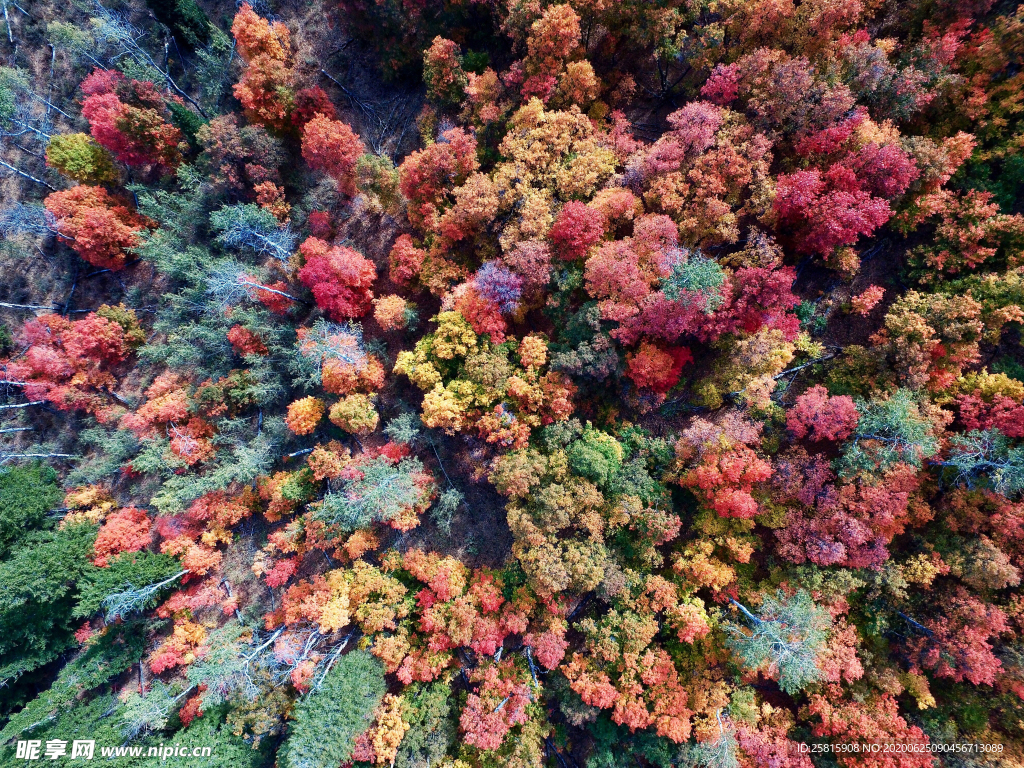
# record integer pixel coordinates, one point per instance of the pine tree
(339, 708)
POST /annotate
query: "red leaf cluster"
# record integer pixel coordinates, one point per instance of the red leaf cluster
(339, 277)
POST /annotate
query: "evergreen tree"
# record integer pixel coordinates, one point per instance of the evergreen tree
(337, 710)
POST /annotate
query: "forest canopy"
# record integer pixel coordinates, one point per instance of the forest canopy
(547, 384)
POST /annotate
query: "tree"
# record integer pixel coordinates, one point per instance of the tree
(393, 313)
(354, 413)
(26, 494)
(616, 277)
(405, 260)
(426, 176)
(443, 74)
(751, 299)
(106, 656)
(69, 363)
(331, 146)
(717, 146)
(38, 592)
(127, 583)
(499, 285)
(127, 530)
(379, 489)
(253, 227)
(577, 228)
(867, 300)
(631, 674)
(500, 704)
(726, 472)
(931, 337)
(994, 403)
(892, 430)
(552, 39)
(341, 704)
(96, 225)
(987, 457)
(339, 277)
(265, 89)
(874, 721)
(333, 355)
(851, 524)
(816, 416)
(186, 20)
(824, 213)
(131, 119)
(431, 726)
(657, 369)
(379, 744)
(234, 157)
(482, 314)
(81, 159)
(786, 640)
(310, 102)
(971, 233)
(304, 415)
(245, 342)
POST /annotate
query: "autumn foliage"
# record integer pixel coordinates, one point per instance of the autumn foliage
(331, 146)
(515, 383)
(339, 277)
(98, 226)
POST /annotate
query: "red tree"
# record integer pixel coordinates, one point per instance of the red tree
(849, 525)
(577, 228)
(333, 147)
(95, 225)
(826, 210)
(130, 118)
(339, 277)
(752, 298)
(68, 363)
(657, 369)
(958, 644)
(725, 478)
(245, 342)
(310, 102)
(498, 705)
(405, 260)
(615, 276)
(427, 175)
(127, 530)
(816, 416)
(875, 721)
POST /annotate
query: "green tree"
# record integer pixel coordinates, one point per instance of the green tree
(226, 749)
(113, 652)
(432, 727)
(38, 591)
(596, 456)
(96, 718)
(786, 639)
(382, 491)
(891, 430)
(337, 710)
(132, 581)
(185, 19)
(27, 493)
(986, 458)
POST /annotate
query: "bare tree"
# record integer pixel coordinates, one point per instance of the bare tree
(120, 605)
(228, 283)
